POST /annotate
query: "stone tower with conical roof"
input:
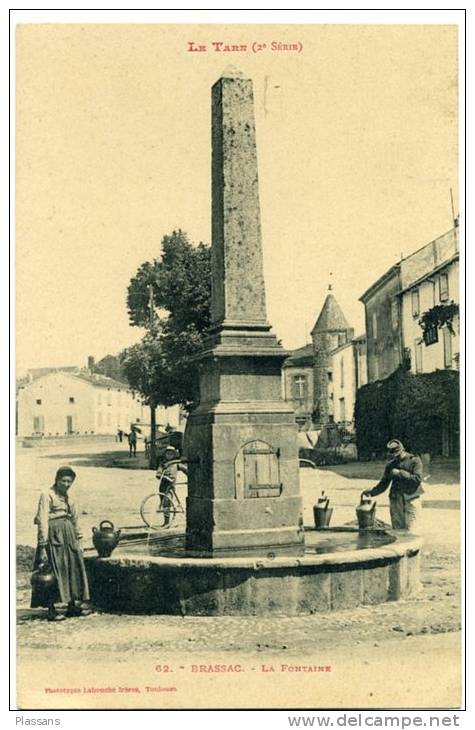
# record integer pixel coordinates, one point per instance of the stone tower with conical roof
(331, 330)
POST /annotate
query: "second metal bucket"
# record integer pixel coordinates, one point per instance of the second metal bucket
(322, 513)
(366, 512)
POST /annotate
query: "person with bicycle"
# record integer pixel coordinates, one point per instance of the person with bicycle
(166, 474)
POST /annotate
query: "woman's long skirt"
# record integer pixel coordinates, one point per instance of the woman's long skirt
(67, 563)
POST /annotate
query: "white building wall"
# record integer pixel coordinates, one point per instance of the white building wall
(95, 409)
(343, 381)
(117, 409)
(432, 355)
(362, 366)
(55, 391)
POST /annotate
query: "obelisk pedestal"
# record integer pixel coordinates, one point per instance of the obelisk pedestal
(241, 441)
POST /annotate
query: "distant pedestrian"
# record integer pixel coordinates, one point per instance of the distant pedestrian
(132, 439)
(404, 473)
(120, 435)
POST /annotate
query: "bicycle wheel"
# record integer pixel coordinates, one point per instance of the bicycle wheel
(159, 511)
(178, 513)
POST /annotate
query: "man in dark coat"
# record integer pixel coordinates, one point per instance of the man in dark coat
(132, 439)
(404, 473)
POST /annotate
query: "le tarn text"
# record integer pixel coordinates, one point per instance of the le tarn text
(255, 47)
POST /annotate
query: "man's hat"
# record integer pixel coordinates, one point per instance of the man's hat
(394, 446)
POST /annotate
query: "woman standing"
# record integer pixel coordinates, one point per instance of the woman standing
(59, 545)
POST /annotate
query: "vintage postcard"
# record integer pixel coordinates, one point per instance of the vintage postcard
(238, 358)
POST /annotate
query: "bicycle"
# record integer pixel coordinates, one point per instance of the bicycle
(163, 509)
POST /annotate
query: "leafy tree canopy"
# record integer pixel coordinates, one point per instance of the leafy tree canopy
(181, 285)
(160, 366)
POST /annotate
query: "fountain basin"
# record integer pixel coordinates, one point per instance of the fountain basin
(173, 583)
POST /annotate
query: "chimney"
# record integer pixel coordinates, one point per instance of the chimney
(90, 363)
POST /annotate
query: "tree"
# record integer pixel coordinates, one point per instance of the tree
(171, 298)
(181, 286)
(140, 364)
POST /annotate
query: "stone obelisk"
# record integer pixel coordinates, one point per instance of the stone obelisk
(241, 441)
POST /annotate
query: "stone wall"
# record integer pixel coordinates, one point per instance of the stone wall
(323, 343)
(383, 330)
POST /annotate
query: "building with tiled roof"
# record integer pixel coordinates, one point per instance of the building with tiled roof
(320, 380)
(302, 356)
(61, 403)
(100, 381)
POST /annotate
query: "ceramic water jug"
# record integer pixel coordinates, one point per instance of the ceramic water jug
(105, 538)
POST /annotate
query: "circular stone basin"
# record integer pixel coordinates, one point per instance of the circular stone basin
(341, 568)
(316, 541)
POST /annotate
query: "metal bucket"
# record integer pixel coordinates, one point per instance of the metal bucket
(322, 514)
(366, 515)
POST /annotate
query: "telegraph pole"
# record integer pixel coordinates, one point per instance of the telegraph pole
(452, 204)
(153, 407)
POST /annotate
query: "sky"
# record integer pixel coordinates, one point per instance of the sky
(357, 152)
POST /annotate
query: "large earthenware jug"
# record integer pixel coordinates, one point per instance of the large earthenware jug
(322, 512)
(105, 538)
(366, 512)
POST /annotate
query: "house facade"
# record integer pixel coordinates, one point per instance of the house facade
(384, 348)
(413, 333)
(297, 382)
(430, 283)
(425, 282)
(65, 403)
(348, 367)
